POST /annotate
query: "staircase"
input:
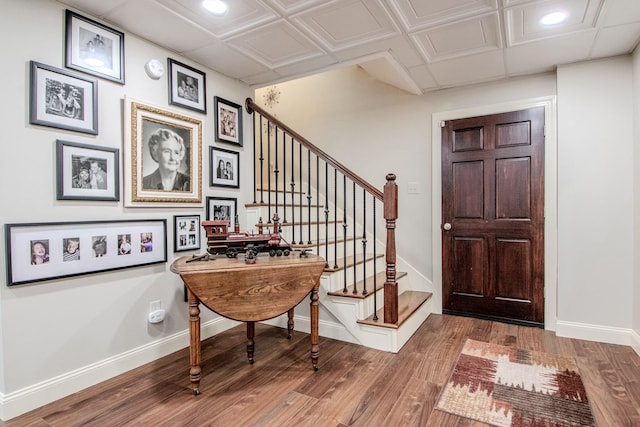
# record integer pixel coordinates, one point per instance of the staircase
(327, 210)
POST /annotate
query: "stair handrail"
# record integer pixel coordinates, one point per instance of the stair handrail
(251, 106)
(389, 198)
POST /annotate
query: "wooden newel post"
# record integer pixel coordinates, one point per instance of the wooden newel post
(390, 215)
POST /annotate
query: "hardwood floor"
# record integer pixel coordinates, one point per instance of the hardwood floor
(355, 386)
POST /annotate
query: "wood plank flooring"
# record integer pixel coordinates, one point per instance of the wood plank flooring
(355, 386)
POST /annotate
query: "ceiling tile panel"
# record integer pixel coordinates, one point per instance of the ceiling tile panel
(276, 45)
(291, 6)
(96, 8)
(243, 15)
(435, 43)
(418, 14)
(469, 69)
(523, 22)
(347, 23)
(460, 38)
(220, 57)
(139, 11)
(547, 54)
(618, 40)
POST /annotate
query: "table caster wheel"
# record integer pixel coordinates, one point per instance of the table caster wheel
(196, 391)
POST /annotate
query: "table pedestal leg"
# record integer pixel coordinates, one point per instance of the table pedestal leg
(251, 330)
(290, 323)
(194, 344)
(314, 309)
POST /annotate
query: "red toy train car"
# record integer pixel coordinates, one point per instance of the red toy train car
(222, 241)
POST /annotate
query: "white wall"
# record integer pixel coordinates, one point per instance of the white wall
(62, 329)
(380, 129)
(636, 197)
(373, 129)
(595, 194)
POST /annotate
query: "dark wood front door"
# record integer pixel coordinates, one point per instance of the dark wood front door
(493, 216)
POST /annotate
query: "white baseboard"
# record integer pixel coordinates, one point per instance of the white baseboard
(605, 334)
(32, 397)
(635, 342)
(325, 328)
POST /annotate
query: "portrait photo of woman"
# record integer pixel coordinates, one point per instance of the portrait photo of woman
(165, 163)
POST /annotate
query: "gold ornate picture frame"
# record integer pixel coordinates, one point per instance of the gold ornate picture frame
(162, 157)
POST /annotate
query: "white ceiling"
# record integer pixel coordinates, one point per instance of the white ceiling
(416, 45)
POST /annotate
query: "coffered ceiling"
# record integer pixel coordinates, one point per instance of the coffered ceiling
(416, 45)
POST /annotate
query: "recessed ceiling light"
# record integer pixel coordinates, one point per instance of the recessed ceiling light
(554, 18)
(217, 7)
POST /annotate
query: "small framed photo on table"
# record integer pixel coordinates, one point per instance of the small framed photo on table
(186, 232)
(225, 168)
(94, 48)
(187, 87)
(63, 100)
(87, 172)
(228, 121)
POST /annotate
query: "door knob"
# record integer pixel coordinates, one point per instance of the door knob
(446, 226)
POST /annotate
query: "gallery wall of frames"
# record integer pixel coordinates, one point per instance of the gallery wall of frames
(159, 164)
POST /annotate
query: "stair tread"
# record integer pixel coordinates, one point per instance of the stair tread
(380, 278)
(408, 303)
(349, 261)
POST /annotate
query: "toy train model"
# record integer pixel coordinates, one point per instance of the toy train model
(222, 241)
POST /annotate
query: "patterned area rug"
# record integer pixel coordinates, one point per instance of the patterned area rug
(506, 386)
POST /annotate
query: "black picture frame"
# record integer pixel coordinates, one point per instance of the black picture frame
(187, 86)
(94, 48)
(186, 232)
(221, 208)
(227, 176)
(38, 252)
(61, 99)
(87, 172)
(228, 119)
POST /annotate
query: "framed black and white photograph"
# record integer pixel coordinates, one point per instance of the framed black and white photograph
(222, 208)
(64, 100)
(162, 157)
(47, 251)
(228, 121)
(225, 168)
(187, 86)
(94, 48)
(87, 172)
(186, 232)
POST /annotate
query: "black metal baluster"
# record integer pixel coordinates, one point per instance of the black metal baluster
(355, 290)
(318, 205)
(301, 221)
(293, 193)
(308, 197)
(255, 152)
(364, 241)
(261, 164)
(276, 170)
(284, 175)
(269, 174)
(335, 218)
(375, 270)
(326, 215)
(344, 232)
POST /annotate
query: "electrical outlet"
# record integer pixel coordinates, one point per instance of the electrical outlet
(413, 188)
